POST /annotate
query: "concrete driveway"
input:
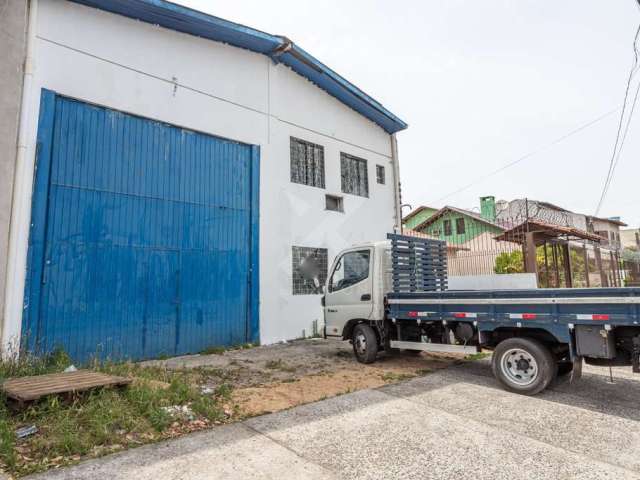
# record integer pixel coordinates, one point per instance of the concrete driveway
(452, 424)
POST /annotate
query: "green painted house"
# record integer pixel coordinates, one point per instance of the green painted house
(417, 216)
(458, 226)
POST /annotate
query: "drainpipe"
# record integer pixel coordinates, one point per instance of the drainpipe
(396, 184)
(13, 310)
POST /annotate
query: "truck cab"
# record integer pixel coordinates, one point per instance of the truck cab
(356, 286)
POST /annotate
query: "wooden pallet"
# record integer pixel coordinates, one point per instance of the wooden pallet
(26, 389)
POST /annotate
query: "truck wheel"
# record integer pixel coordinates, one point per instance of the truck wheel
(523, 365)
(365, 343)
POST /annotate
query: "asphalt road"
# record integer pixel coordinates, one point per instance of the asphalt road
(452, 424)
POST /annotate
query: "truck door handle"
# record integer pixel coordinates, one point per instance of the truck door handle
(332, 310)
(366, 297)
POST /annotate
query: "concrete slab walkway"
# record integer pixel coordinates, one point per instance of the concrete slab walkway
(452, 424)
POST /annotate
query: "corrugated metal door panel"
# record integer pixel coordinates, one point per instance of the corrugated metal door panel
(148, 241)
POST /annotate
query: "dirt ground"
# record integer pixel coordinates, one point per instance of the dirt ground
(277, 377)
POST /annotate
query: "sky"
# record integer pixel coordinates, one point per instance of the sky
(482, 84)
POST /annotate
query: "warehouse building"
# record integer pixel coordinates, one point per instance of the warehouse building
(180, 182)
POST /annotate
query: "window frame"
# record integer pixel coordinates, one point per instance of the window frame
(381, 177)
(340, 203)
(338, 262)
(318, 163)
(324, 259)
(346, 162)
(447, 227)
(459, 221)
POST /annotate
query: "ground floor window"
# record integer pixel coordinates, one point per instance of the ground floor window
(309, 270)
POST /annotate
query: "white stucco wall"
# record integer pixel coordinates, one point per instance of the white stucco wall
(132, 66)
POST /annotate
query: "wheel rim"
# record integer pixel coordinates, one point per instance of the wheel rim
(360, 344)
(519, 366)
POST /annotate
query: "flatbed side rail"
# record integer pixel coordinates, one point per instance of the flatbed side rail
(616, 307)
(418, 264)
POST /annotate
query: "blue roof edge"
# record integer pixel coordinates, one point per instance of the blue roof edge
(280, 49)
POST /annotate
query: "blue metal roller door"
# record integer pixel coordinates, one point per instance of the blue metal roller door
(143, 239)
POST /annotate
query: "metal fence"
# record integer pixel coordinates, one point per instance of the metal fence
(477, 246)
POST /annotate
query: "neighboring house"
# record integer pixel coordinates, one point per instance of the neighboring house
(630, 238)
(458, 226)
(417, 216)
(608, 229)
(519, 210)
(195, 178)
(474, 235)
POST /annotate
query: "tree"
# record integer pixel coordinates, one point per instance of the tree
(509, 262)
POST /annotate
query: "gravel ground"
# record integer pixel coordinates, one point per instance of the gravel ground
(451, 424)
(277, 377)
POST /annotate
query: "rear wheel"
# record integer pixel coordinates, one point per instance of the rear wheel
(365, 343)
(523, 365)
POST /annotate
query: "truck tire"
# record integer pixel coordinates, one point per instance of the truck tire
(523, 365)
(365, 343)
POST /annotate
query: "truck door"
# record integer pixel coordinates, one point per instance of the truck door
(349, 290)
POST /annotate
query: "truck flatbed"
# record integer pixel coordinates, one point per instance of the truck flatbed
(394, 297)
(561, 305)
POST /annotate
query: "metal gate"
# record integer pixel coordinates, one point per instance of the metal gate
(144, 237)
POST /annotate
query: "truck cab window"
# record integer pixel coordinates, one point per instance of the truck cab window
(352, 268)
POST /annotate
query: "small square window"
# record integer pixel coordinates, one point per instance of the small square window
(334, 203)
(309, 270)
(460, 227)
(380, 174)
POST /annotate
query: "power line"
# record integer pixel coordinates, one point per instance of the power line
(624, 137)
(531, 154)
(617, 147)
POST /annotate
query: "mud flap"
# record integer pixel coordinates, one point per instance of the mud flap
(576, 373)
(635, 355)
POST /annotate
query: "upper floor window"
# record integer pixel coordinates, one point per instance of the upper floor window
(380, 174)
(460, 227)
(447, 227)
(307, 163)
(355, 179)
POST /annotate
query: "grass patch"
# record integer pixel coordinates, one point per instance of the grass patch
(219, 350)
(396, 377)
(104, 420)
(477, 356)
(213, 351)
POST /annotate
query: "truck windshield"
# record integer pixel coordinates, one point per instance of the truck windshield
(352, 268)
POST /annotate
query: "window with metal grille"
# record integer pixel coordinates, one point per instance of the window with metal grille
(447, 227)
(355, 179)
(334, 203)
(307, 163)
(309, 270)
(460, 228)
(380, 174)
